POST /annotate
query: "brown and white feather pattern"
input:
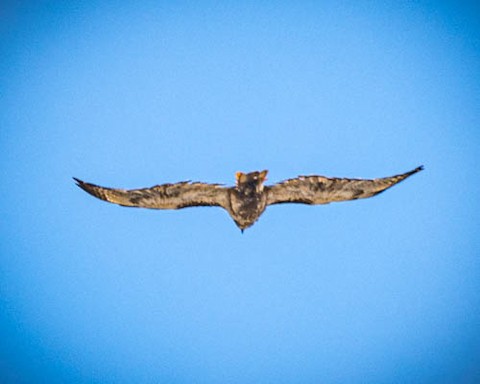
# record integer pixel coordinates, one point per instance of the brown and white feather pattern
(166, 196)
(247, 200)
(323, 190)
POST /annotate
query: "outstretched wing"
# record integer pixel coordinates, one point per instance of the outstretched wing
(323, 190)
(166, 196)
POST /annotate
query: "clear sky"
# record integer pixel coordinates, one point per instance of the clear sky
(133, 94)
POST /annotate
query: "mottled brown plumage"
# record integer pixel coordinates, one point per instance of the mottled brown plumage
(247, 200)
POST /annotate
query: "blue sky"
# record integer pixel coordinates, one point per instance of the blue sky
(383, 290)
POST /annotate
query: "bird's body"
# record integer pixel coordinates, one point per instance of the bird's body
(247, 200)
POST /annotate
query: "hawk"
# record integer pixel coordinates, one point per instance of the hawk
(247, 200)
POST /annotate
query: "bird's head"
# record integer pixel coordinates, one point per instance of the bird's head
(252, 181)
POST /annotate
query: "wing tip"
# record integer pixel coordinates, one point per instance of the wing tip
(87, 187)
(81, 184)
(418, 169)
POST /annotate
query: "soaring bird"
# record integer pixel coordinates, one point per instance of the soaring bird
(247, 200)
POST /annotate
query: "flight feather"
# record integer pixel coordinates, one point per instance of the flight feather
(323, 190)
(165, 196)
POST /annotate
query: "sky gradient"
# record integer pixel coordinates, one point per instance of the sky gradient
(382, 290)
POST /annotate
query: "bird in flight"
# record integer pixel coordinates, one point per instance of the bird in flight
(247, 200)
